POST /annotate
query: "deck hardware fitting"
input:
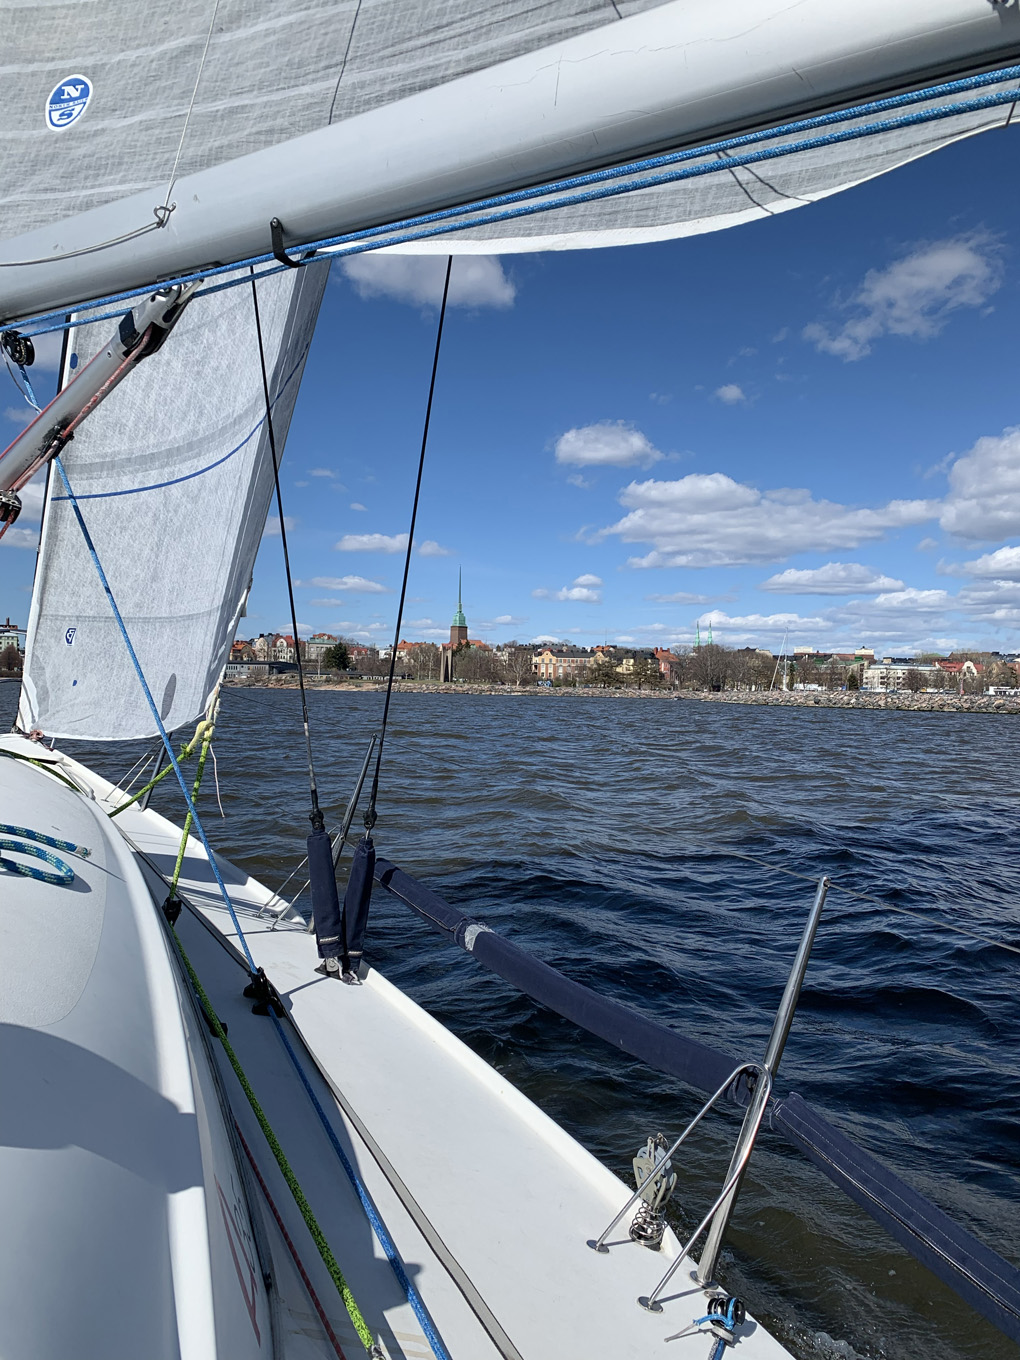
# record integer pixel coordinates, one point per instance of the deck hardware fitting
(648, 1225)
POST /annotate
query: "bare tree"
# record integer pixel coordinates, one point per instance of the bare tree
(368, 663)
(1000, 673)
(424, 661)
(10, 660)
(760, 669)
(710, 667)
(681, 667)
(478, 664)
(914, 680)
(519, 663)
(743, 667)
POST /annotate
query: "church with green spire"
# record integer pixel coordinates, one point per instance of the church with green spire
(458, 634)
(459, 628)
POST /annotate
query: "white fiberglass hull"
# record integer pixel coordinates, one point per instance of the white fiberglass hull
(489, 1203)
(114, 1157)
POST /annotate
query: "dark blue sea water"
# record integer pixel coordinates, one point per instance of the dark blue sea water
(603, 834)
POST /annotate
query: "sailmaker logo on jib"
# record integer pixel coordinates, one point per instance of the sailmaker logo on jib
(68, 102)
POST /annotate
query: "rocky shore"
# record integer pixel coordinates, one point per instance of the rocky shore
(898, 702)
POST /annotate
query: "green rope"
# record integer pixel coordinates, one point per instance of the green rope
(43, 765)
(318, 1237)
(207, 737)
(187, 750)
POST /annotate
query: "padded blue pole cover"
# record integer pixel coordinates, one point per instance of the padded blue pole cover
(325, 903)
(358, 898)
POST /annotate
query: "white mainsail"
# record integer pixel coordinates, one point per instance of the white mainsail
(174, 478)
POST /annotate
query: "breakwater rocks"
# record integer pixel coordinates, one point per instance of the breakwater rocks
(898, 702)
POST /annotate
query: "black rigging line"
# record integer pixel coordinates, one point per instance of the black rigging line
(370, 813)
(315, 816)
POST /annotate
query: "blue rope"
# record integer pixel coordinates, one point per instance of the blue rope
(155, 711)
(385, 1241)
(446, 220)
(411, 1293)
(64, 874)
(28, 387)
(200, 472)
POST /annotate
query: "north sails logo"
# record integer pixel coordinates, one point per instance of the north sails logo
(68, 102)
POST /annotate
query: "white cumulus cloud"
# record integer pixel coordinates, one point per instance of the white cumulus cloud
(581, 592)
(21, 538)
(610, 443)
(476, 281)
(1001, 565)
(915, 295)
(360, 584)
(708, 519)
(738, 630)
(430, 548)
(835, 578)
(682, 597)
(385, 543)
(983, 501)
(272, 529)
(730, 394)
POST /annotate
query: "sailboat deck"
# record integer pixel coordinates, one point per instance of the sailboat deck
(508, 1194)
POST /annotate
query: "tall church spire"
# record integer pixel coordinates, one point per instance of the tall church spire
(459, 628)
(459, 621)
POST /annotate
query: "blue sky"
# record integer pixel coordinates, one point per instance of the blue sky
(810, 424)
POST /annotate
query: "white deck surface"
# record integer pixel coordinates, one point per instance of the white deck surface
(511, 1195)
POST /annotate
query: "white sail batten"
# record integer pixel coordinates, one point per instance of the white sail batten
(174, 477)
(678, 73)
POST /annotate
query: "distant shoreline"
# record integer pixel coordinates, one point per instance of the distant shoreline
(895, 702)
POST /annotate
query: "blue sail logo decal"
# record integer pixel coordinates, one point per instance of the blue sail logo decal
(68, 102)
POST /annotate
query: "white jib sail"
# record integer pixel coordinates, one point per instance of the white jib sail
(174, 476)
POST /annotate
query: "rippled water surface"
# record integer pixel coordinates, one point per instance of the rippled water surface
(604, 834)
